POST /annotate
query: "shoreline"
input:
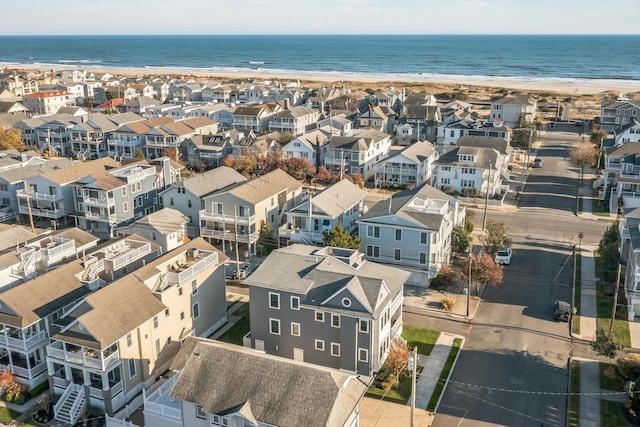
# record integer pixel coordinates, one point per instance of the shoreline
(561, 86)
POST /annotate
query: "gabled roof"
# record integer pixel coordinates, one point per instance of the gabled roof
(624, 150)
(319, 273)
(483, 156)
(295, 112)
(358, 142)
(265, 186)
(212, 180)
(403, 205)
(81, 170)
(416, 152)
(309, 139)
(335, 199)
(632, 123)
(224, 379)
(26, 172)
(519, 99)
(499, 144)
(112, 312)
(422, 112)
(165, 220)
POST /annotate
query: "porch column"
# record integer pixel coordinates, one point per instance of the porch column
(86, 378)
(105, 381)
(50, 370)
(67, 373)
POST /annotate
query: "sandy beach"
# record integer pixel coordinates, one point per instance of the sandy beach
(565, 86)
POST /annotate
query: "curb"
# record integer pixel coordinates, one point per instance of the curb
(453, 367)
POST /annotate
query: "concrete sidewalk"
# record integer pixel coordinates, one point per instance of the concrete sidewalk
(588, 311)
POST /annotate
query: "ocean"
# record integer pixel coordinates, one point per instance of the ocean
(537, 58)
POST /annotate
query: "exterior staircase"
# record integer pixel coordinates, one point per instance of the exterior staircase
(599, 182)
(71, 405)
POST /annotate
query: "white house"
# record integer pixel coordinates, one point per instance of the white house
(514, 110)
(309, 146)
(412, 165)
(357, 154)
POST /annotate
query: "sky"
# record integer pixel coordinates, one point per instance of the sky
(61, 17)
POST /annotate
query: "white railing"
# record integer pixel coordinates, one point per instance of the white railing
(130, 256)
(157, 408)
(39, 196)
(96, 215)
(49, 213)
(115, 422)
(102, 363)
(24, 343)
(228, 235)
(138, 176)
(99, 201)
(208, 155)
(240, 220)
(117, 388)
(71, 388)
(198, 267)
(23, 372)
(96, 393)
(59, 251)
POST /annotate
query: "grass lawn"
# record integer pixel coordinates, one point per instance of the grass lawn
(399, 395)
(574, 397)
(424, 339)
(621, 334)
(611, 414)
(7, 416)
(236, 332)
(575, 322)
(614, 383)
(444, 375)
(599, 208)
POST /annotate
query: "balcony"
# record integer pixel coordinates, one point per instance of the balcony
(301, 236)
(102, 202)
(19, 341)
(229, 219)
(84, 356)
(161, 143)
(39, 196)
(229, 235)
(159, 402)
(96, 216)
(185, 271)
(47, 213)
(122, 256)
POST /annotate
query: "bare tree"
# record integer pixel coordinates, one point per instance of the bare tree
(398, 359)
(583, 156)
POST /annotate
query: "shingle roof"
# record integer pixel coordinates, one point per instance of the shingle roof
(223, 378)
(81, 170)
(295, 112)
(358, 142)
(497, 143)
(335, 199)
(165, 220)
(418, 151)
(624, 150)
(212, 180)
(112, 312)
(483, 156)
(265, 186)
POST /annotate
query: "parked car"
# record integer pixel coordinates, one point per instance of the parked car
(504, 256)
(244, 271)
(562, 311)
(537, 163)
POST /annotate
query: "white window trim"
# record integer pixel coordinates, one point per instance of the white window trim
(366, 329)
(366, 352)
(276, 294)
(193, 311)
(319, 345)
(296, 299)
(337, 345)
(292, 326)
(135, 370)
(335, 316)
(271, 319)
(316, 316)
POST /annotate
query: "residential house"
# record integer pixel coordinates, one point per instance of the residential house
(630, 132)
(47, 103)
(140, 105)
(617, 113)
(166, 227)
(131, 137)
(111, 105)
(326, 306)
(412, 231)
(449, 133)
(255, 118)
(185, 91)
(12, 107)
(237, 214)
(170, 135)
(424, 119)
(218, 93)
(357, 154)
(160, 110)
(9, 120)
(312, 146)
(206, 151)
(629, 229)
(143, 90)
(374, 118)
(117, 91)
(514, 110)
(89, 137)
(28, 311)
(296, 120)
(42, 253)
(187, 196)
(412, 165)
(621, 178)
(296, 393)
(118, 340)
(260, 146)
(391, 98)
(340, 203)
(339, 124)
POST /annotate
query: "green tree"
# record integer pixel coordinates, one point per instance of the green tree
(11, 138)
(286, 137)
(609, 250)
(266, 240)
(340, 238)
(523, 137)
(139, 154)
(88, 101)
(460, 239)
(495, 237)
(604, 345)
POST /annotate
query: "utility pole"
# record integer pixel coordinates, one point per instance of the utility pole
(413, 384)
(235, 224)
(341, 164)
(469, 283)
(615, 301)
(49, 142)
(486, 198)
(26, 193)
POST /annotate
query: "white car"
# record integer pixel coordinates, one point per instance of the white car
(504, 256)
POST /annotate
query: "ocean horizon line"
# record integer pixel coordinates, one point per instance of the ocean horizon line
(325, 34)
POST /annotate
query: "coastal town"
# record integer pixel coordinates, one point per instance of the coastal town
(193, 251)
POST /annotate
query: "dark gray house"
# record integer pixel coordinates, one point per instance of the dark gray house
(327, 306)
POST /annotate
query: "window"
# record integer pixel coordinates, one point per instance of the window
(132, 367)
(125, 206)
(424, 238)
(169, 342)
(220, 421)
(274, 300)
(445, 181)
(153, 236)
(124, 191)
(320, 345)
(295, 303)
(423, 258)
(166, 312)
(398, 235)
(373, 251)
(397, 254)
(467, 183)
(364, 326)
(171, 201)
(179, 290)
(335, 320)
(346, 302)
(335, 349)
(189, 202)
(274, 325)
(295, 329)
(129, 340)
(158, 348)
(200, 413)
(194, 287)
(196, 310)
(319, 316)
(373, 231)
(363, 355)
(182, 315)
(155, 322)
(446, 168)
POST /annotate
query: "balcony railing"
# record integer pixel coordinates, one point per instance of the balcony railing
(150, 400)
(229, 235)
(48, 213)
(96, 215)
(139, 176)
(39, 196)
(99, 201)
(195, 269)
(86, 357)
(59, 251)
(24, 343)
(240, 220)
(130, 256)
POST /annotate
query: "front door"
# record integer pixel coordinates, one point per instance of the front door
(259, 345)
(298, 354)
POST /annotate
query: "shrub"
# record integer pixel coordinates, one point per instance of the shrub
(8, 396)
(37, 390)
(19, 399)
(410, 186)
(448, 302)
(629, 365)
(437, 281)
(94, 411)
